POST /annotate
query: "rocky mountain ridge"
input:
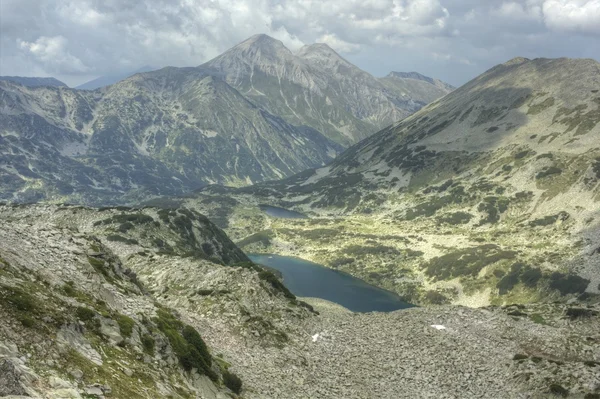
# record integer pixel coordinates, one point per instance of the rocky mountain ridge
(33, 81)
(175, 130)
(315, 86)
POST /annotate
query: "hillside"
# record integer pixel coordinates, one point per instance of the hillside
(488, 195)
(107, 80)
(175, 130)
(316, 87)
(159, 133)
(34, 82)
(110, 303)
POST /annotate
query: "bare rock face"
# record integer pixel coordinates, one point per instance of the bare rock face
(9, 379)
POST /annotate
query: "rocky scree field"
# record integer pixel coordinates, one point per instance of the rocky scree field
(85, 315)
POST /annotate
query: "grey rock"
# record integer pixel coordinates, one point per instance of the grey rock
(10, 383)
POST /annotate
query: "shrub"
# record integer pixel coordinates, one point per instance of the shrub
(118, 238)
(466, 261)
(69, 290)
(192, 337)
(232, 382)
(275, 283)
(85, 314)
(126, 325)
(335, 263)
(455, 218)
(568, 284)
(530, 277)
(435, 298)
(549, 171)
(19, 299)
(27, 321)
(537, 318)
(186, 343)
(557, 389)
(148, 343)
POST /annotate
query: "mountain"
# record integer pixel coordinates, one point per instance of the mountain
(34, 82)
(157, 133)
(111, 302)
(315, 87)
(256, 113)
(419, 88)
(488, 195)
(111, 79)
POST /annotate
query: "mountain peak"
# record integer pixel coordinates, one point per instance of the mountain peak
(262, 42)
(322, 55)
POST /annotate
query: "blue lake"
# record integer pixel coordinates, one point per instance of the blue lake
(278, 212)
(307, 279)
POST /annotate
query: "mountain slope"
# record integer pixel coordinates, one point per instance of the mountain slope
(488, 195)
(421, 89)
(108, 80)
(158, 133)
(314, 87)
(34, 82)
(83, 314)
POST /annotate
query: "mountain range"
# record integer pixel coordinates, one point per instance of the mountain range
(170, 131)
(487, 195)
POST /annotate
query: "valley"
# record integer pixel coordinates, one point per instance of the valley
(278, 224)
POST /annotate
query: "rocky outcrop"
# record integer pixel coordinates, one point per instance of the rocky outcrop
(10, 383)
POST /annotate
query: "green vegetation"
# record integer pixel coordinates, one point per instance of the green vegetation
(538, 108)
(187, 344)
(435, 298)
(85, 314)
(548, 171)
(131, 218)
(275, 283)
(232, 381)
(538, 318)
(559, 390)
(455, 218)
(118, 238)
(429, 208)
(531, 276)
(511, 279)
(492, 207)
(466, 261)
(126, 325)
(263, 237)
(568, 284)
(148, 343)
(359, 250)
(18, 299)
(549, 220)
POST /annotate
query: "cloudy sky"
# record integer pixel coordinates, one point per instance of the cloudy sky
(454, 40)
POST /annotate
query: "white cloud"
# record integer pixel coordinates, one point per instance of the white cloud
(339, 45)
(52, 53)
(451, 39)
(573, 15)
